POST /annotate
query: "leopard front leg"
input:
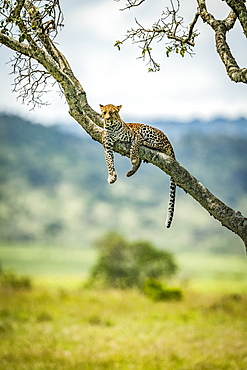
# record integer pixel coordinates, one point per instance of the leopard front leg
(134, 157)
(109, 157)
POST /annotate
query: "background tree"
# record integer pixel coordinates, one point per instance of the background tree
(29, 28)
(123, 264)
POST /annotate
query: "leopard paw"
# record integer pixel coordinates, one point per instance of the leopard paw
(112, 178)
(129, 173)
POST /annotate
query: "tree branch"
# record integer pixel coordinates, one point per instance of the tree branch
(43, 36)
(17, 10)
(240, 10)
(220, 28)
(132, 4)
(170, 25)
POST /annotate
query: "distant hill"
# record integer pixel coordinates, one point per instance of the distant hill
(177, 130)
(54, 187)
(223, 127)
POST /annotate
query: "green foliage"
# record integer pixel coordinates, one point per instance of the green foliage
(157, 291)
(11, 280)
(123, 264)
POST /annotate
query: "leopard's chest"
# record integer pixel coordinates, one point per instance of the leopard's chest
(116, 131)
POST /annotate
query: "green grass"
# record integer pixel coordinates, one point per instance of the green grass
(213, 273)
(52, 328)
(60, 325)
(47, 261)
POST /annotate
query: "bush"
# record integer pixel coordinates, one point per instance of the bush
(11, 280)
(123, 264)
(157, 291)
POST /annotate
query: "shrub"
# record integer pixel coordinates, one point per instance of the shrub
(157, 291)
(123, 264)
(11, 280)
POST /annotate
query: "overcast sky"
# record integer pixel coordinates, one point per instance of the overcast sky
(185, 88)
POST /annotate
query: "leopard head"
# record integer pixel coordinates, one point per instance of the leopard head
(110, 111)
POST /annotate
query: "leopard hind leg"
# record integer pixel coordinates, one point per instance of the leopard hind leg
(133, 169)
(134, 156)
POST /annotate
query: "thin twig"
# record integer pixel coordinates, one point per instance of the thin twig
(132, 5)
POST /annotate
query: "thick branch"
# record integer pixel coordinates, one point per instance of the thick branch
(13, 44)
(220, 28)
(240, 10)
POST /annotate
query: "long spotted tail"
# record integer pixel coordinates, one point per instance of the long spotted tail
(171, 204)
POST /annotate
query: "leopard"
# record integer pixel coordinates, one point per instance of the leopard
(137, 134)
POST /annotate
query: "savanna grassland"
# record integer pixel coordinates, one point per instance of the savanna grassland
(57, 323)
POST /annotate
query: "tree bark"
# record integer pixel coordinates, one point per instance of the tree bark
(221, 27)
(239, 8)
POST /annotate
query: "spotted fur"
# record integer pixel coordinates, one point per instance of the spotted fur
(115, 129)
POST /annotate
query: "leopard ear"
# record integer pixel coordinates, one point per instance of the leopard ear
(119, 107)
(101, 106)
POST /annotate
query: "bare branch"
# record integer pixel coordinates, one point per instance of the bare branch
(170, 25)
(132, 4)
(30, 82)
(34, 29)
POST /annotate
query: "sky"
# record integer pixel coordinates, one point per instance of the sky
(185, 89)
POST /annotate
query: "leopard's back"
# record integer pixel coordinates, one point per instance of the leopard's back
(152, 138)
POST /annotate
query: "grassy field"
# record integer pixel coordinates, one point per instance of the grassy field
(59, 324)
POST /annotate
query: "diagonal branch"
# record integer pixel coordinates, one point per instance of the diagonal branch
(189, 39)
